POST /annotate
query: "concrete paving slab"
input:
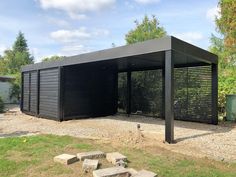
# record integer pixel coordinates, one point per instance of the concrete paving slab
(115, 157)
(91, 155)
(89, 164)
(132, 171)
(65, 159)
(111, 172)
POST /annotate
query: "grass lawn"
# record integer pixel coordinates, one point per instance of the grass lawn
(33, 156)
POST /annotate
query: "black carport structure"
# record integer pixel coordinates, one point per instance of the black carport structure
(86, 85)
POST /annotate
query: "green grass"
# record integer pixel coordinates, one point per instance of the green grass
(34, 155)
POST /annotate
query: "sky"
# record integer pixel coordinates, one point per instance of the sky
(71, 27)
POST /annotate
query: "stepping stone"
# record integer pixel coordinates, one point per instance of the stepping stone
(111, 172)
(132, 171)
(120, 163)
(89, 164)
(65, 159)
(115, 157)
(91, 155)
(145, 173)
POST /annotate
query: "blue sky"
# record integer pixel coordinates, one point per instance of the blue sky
(69, 27)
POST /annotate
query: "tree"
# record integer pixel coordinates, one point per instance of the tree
(20, 45)
(225, 48)
(52, 58)
(13, 59)
(226, 23)
(16, 57)
(149, 28)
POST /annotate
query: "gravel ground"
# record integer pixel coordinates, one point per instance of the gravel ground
(194, 139)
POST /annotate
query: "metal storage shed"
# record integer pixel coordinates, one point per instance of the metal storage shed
(86, 85)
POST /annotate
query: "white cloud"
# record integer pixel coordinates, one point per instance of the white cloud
(213, 13)
(70, 35)
(77, 8)
(74, 42)
(147, 1)
(76, 16)
(74, 49)
(189, 36)
(58, 22)
(67, 36)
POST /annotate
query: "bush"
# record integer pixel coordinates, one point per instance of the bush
(15, 87)
(227, 82)
(1, 105)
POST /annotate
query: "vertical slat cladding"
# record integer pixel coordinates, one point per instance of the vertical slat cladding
(26, 92)
(33, 92)
(48, 101)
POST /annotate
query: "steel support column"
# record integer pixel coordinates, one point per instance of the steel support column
(61, 94)
(163, 94)
(169, 97)
(38, 89)
(128, 108)
(22, 92)
(214, 92)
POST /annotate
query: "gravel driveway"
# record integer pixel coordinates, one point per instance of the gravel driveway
(195, 139)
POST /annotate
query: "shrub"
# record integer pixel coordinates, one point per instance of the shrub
(1, 105)
(15, 87)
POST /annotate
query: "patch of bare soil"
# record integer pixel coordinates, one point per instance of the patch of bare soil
(194, 139)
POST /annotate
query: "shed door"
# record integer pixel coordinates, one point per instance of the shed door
(48, 99)
(33, 92)
(26, 81)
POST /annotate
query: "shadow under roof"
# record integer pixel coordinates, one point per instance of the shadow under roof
(140, 56)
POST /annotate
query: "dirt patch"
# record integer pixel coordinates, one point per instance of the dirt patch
(194, 139)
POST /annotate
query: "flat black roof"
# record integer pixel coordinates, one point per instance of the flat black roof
(140, 55)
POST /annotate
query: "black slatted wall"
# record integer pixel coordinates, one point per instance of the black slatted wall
(48, 94)
(26, 89)
(89, 90)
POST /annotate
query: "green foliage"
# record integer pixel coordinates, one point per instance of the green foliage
(20, 45)
(147, 29)
(1, 105)
(226, 23)
(15, 87)
(227, 83)
(12, 61)
(225, 48)
(52, 58)
(14, 58)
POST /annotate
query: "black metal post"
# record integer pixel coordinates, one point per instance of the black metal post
(22, 91)
(61, 94)
(214, 92)
(29, 100)
(169, 97)
(37, 96)
(163, 93)
(128, 109)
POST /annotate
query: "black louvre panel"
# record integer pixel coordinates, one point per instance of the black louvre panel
(192, 94)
